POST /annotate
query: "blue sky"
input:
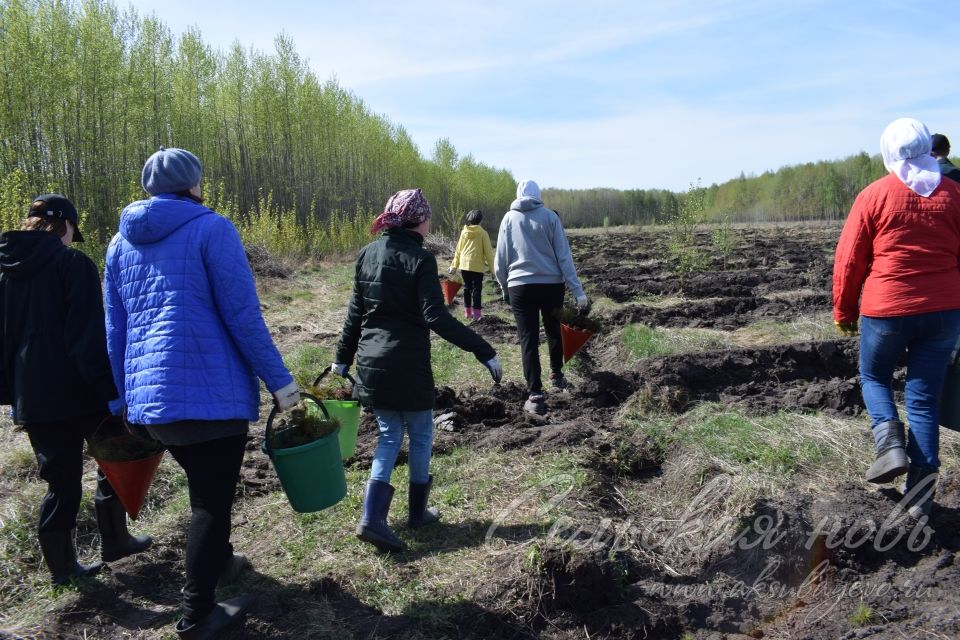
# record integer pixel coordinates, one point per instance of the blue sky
(635, 94)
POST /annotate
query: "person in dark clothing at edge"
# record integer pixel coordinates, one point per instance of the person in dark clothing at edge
(940, 150)
(56, 375)
(532, 265)
(187, 343)
(396, 302)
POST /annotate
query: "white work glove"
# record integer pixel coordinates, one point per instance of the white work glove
(339, 369)
(583, 303)
(287, 396)
(496, 371)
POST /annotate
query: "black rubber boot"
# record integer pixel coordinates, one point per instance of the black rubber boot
(115, 541)
(891, 452)
(373, 526)
(420, 513)
(236, 564)
(225, 615)
(60, 553)
(920, 489)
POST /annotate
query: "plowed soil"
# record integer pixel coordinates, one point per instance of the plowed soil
(815, 565)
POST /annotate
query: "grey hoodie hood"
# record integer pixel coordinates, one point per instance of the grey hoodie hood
(528, 196)
(525, 204)
(528, 188)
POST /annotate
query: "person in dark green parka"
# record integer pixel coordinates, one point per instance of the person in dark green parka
(396, 302)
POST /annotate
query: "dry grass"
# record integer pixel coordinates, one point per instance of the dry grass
(807, 327)
(472, 489)
(311, 304)
(719, 464)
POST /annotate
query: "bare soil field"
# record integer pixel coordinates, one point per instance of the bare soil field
(702, 479)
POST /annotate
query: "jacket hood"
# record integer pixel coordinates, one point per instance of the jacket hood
(528, 188)
(473, 230)
(24, 253)
(526, 203)
(149, 221)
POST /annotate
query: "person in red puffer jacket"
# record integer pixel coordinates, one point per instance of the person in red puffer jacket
(897, 270)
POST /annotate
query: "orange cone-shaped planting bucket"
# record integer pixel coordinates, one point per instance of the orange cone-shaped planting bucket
(573, 340)
(450, 288)
(131, 480)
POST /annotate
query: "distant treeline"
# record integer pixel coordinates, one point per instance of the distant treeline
(812, 191)
(89, 92)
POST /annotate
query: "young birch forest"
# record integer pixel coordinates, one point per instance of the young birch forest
(301, 165)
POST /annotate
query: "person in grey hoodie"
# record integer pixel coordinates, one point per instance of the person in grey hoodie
(533, 266)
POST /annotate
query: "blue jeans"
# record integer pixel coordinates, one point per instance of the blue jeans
(420, 431)
(927, 339)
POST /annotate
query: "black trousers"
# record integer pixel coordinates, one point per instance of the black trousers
(472, 288)
(212, 469)
(529, 303)
(58, 447)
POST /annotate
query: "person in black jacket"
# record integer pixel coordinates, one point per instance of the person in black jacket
(396, 302)
(940, 151)
(55, 373)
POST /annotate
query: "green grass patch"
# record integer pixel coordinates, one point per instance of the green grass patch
(817, 326)
(457, 368)
(307, 361)
(473, 490)
(302, 296)
(771, 445)
(862, 616)
(642, 341)
(18, 463)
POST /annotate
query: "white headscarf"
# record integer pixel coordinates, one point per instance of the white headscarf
(528, 188)
(905, 146)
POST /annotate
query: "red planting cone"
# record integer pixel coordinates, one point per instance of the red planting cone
(450, 288)
(572, 340)
(131, 480)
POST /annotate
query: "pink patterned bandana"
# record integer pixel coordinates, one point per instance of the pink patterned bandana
(409, 206)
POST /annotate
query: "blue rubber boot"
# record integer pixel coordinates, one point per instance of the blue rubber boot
(373, 526)
(420, 513)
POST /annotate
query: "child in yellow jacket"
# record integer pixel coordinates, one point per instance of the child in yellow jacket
(474, 257)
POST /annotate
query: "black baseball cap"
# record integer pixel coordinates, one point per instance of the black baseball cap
(56, 206)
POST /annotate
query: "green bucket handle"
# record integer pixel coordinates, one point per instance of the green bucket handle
(273, 414)
(326, 371)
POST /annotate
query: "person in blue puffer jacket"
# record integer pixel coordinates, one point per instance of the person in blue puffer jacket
(187, 343)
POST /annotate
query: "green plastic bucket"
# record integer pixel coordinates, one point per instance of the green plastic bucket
(348, 413)
(311, 474)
